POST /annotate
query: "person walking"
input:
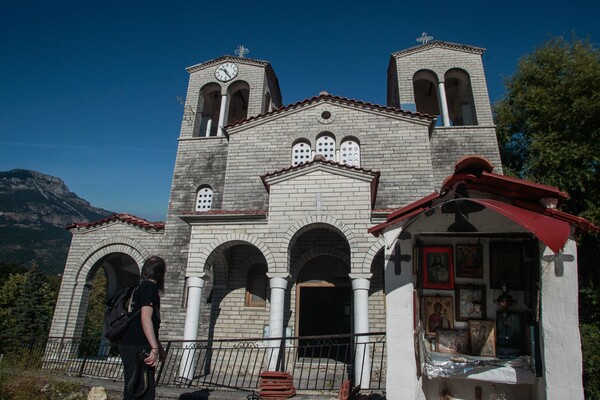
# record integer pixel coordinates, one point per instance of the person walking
(140, 348)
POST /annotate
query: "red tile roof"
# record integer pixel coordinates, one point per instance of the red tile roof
(335, 99)
(318, 161)
(126, 218)
(226, 212)
(475, 173)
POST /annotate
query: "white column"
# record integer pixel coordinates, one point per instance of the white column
(362, 361)
(278, 284)
(223, 114)
(190, 330)
(208, 127)
(443, 104)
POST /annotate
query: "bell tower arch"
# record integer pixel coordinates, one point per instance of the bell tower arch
(441, 77)
(225, 90)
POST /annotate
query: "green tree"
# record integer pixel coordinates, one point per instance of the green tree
(6, 270)
(26, 305)
(9, 296)
(94, 319)
(549, 132)
(549, 122)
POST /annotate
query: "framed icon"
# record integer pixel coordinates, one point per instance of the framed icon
(450, 341)
(482, 335)
(438, 268)
(469, 261)
(470, 302)
(438, 313)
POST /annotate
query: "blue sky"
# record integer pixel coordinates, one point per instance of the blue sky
(88, 89)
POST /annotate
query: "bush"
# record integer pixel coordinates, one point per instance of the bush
(590, 340)
(19, 384)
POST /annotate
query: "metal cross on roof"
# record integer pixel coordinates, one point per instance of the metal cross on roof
(242, 51)
(424, 38)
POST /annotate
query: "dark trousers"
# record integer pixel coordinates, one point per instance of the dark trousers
(134, 366)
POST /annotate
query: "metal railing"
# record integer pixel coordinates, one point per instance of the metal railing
(320, 363)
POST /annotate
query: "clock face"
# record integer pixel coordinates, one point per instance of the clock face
(226, 72)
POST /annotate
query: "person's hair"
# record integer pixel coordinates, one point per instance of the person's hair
(155, 268)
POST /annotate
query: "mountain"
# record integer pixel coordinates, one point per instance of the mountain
(34, 210)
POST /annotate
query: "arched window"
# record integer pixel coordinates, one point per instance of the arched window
(350, 152)
(204, 198)
(459, 95)
(239, 94)
(267, 104)
(426, 92)
(256, 286)
(209, 106)
(301, 152)
(326, 146)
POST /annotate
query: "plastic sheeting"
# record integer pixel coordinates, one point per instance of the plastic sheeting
(490, 369)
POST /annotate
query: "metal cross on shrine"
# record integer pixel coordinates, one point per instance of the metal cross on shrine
(424, 38)
(242, 51)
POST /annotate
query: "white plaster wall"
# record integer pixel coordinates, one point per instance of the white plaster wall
(402, 382)
(560, 339)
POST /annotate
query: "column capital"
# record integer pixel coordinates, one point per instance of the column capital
(278, 280)
(361, 281)
(197, 281)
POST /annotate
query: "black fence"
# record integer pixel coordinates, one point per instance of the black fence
(317, 363)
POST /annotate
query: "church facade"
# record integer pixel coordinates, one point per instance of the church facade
(267, 230)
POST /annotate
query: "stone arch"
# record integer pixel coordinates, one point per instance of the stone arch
(305, 224)
(73, 294)
(459, 95)
(317, 252)
(208, 108)
(108, 246)
(425, 91)
(239, 96)
(235, 239)
(267, 102)
(372, 253)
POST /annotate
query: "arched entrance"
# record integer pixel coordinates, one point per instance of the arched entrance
(324, 302)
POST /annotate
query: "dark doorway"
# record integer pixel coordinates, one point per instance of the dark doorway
(325, 311)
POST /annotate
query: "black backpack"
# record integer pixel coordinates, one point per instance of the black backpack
(117, 315)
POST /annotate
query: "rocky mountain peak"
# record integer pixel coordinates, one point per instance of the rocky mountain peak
(34, 210)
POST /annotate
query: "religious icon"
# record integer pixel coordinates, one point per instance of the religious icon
(438, 268)
(470, 302)
(450, 341)
(438, 313)
(469, 261)
(483, 338)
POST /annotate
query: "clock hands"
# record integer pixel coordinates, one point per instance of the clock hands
(226, 72)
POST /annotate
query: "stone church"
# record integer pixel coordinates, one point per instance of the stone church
(267, 230)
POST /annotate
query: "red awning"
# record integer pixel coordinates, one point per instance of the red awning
(553, 232)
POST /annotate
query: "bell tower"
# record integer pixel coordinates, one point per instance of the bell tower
(446, 80)
(221, 91)
(228, 89)
(443, 79)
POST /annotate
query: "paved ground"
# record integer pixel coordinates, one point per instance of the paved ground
(115, 392)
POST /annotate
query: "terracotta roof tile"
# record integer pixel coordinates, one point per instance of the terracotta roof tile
(523, 194)
(227, 212)
(334, 98)
(317, 161)
(127, 218)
